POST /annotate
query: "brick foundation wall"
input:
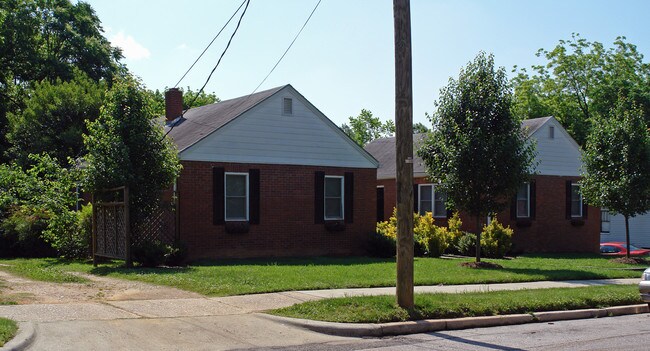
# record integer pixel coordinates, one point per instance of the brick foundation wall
(550, 231)
(287, 226)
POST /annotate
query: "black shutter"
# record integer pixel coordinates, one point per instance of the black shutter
(513, 207)
(254, 196)
(319, 197)
(349, 197)
(380, 204)
(533, 200)
(568, 199)
(450, 212)
(218, 215)
(585, 209)
(416, 195)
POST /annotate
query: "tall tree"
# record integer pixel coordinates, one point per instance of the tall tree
(126, 146)
(420, 128)
(617, 164)
(580, 80)
(48, 40)
(365, 127)
(477, 150)
(54, 119)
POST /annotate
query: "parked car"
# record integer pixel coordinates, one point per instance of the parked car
(619, 249)
(644, 286)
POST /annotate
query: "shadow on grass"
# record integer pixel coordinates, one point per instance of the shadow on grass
(296, 261)
(555, 274)
(108, 270)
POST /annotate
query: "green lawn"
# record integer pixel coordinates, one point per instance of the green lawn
(8, 329)
(236, 277)
(381, 309)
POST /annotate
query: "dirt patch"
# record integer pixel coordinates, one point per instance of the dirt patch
(481, 264)
(631, 260)
(25, 291)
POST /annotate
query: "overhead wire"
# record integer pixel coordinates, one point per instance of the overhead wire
(189, 106)
(210, 44)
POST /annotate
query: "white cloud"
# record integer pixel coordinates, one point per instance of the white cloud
(182, 47)
(131, 49)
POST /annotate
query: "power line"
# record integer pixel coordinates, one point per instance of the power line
(210, 44)
(290, 45)
(189, 106)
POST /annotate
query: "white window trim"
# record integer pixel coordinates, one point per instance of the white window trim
(225, 197)
(580, 207)
(342, 217)
(527, 203)
(433, 199)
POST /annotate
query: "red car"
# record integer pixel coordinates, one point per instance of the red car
(619, 249)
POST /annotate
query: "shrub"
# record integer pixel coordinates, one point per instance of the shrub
(496, 240)
(431, 239)
(20, 233)
(454, 233)
(155, 253)
(466, 244)
(380, 245)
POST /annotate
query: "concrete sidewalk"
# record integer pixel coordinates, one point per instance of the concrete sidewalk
(244, 304)
(233, 322)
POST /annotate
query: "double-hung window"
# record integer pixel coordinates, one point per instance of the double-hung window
(576, 201)
(236, 196)
(432, 201)
(334, 197)
(523, 201)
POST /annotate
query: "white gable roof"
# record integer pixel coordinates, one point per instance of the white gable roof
(264, 134)
(558, 155)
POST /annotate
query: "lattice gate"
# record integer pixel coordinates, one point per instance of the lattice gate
(111, 225)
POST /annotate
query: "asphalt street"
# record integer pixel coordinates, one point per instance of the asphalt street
(630, 333)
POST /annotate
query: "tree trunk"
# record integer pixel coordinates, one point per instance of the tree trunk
(478, 238)
(404, 152)
(627, 236)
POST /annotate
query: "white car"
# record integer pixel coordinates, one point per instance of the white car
(644, 286)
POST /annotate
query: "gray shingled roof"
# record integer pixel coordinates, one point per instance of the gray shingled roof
(383, 150)
(199, 122)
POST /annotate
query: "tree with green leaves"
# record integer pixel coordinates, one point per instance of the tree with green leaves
(477, 150)
(420, 128)
(126, 146)
(48, 40)
(365, 128)
(581, 80)
(54, 119)
(617, 164)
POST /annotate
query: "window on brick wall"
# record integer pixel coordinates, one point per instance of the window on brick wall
(236, 196)
(334, 197)
(576, 201)
(523, 201)
(430, 200)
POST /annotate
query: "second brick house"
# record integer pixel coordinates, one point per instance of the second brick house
(548, 213)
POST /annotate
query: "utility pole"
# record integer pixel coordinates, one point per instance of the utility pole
(404, 151)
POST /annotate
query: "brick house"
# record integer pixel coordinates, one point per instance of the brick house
(547, 215)
(269, 175)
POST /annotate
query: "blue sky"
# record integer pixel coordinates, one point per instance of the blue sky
(343, 60)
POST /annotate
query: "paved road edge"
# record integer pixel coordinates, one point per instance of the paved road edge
(432, 325)
(22, 340)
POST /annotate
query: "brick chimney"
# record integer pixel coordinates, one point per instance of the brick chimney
(173, 103)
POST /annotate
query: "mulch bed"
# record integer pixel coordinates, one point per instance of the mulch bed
(631, 260)
(488, 265)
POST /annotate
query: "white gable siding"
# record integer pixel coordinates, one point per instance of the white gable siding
(558, 156)
(639, 230)
(265, 135)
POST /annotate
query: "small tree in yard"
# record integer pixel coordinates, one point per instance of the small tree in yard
(617, 164)
(477, 149)
(126, 146)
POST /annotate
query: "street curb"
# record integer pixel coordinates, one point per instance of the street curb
(22, 340)
(433, 325)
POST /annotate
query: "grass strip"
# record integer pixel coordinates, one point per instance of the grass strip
(8, 329)
(47, 270)
(239, 277)
(383, 309)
